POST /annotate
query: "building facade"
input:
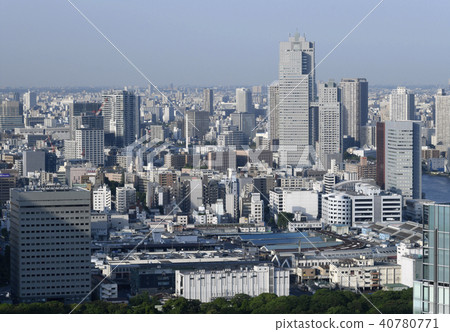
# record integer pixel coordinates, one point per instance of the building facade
(50, 245)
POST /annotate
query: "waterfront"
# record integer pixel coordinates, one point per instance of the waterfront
(436, 188)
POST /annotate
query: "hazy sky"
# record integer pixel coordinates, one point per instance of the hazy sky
(226, 42)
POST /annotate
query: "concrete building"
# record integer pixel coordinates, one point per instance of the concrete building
(274, 91)
(401, 105)
(50, 244)
(158, 133)
(29, 100)
(364, 274)
(432, 292)
(33, 161)
(101, 199)
(207, 285)
(11, 115)
(256, 209)
(125, 198)
(442, 115)
(121, 118)
(196, 124)
(244, 103)
(208, 101)
(292, 201)
(399, 167)
(330, 124)
(355, 109)
(297, 89)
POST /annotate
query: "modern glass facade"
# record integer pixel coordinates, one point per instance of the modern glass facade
(432, 293)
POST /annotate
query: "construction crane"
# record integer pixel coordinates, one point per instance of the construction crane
(100, 109)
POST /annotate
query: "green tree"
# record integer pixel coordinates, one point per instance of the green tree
(283, 219)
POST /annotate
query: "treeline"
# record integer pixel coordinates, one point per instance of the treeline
(322, 302)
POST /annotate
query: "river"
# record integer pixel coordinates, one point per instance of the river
(436, 188)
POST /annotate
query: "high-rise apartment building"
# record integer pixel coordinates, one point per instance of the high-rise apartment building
(399, 144)
(88, 139)
(101, 199)
(297, 89)
(208, 101)
(29, 100)
(125, 198)
(50, 244)
(244, 103)
(330, 133)
(121, 118)
(432, 292)
(442, 115)
(77, 109)
(401, 105)
(355, 109)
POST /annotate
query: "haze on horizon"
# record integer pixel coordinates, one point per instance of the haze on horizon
(48, 43)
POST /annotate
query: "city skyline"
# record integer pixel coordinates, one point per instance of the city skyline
(83, 58)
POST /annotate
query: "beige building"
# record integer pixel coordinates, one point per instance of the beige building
(364, 274)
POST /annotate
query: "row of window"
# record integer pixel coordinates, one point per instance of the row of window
(56, 225)
(53, 212)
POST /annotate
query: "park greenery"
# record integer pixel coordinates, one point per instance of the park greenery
(323, 301)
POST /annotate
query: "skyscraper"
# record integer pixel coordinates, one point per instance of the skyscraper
(442, 115)
(196, 124)
(77, 109)
(273, 115)
(244, 102)
(245, 122)
(50, 244)
(296, 91)
(432, 292)
(355, 109)
(208, 101)
(402, 166)
(121, 118)
(29, 100)
(401, 105)
(88, 142)
(330, 133)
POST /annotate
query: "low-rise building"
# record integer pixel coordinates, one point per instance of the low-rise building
(208, 285)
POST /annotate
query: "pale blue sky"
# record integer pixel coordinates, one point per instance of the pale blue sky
(206, 43)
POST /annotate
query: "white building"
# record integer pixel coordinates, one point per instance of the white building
(330, 124)
(304, 201)
(296, 91)
(337, 209)
(101, 199)
(366, 204)
(364, 274)
(442, 118)
(125, 198)
(208, 285)
(401, 105)
(29, 100)
(409, 258)
(402, 157)
(203, 216)
(256, 209)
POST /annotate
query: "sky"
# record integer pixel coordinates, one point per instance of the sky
(47, 43)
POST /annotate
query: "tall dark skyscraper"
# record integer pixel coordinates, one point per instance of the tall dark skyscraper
(121, 118)
(208, 101)
(355, 109)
